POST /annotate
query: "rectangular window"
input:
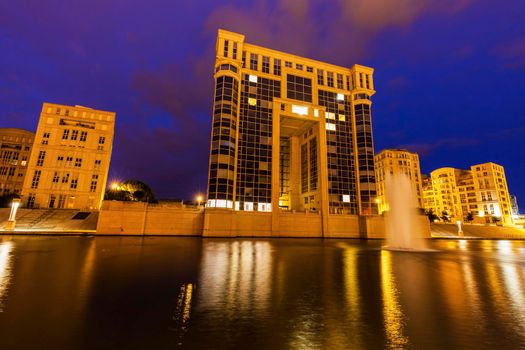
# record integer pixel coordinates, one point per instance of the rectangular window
(288, 64)
(298, 66)
(41, 157)
(348, 83)
(74, 183)
(78, 162)
(234, 52)
(225, 53)
(65, 134)
(299, 88)
(367, 81)
(330, 79)
(83, 136)
(31, 199)
(309, 69)
(266, 64)
(254, 58)
(74, 135)
(339, 81)
(36, 179)
(93, 186)
(361, 80)
(276, 67)
(98, 162)
(55, 177)
(320, 77)
(243, 59)
(69, 160)
(65, 179)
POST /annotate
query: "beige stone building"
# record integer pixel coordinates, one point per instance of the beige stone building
(289, 133)
(397, 162)
(69, 162)
(15, 149)
(481, 191)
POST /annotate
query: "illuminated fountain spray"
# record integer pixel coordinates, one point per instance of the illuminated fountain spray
(403, 225)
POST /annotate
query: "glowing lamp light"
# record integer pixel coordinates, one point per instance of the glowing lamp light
(115, 186)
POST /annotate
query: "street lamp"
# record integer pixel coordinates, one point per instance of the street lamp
(12, 215)
(114, 186)
(199, 200)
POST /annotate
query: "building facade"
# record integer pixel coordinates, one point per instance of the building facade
(397, 162)
(15, 150)
(69, 162)
(515, 210)
(289, 133)
(479, 194)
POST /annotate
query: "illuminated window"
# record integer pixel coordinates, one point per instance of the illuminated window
(211, 203)
(330, 115)
(342, 117)
(252, 101)
(340, 97)
(252, 78)
(221, 203)
(302, 110)
(316, 112)
(346, 198)
(248, 206)
(330, 126)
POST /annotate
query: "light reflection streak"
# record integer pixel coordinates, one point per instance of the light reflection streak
(5, 269)
(392, 313)
(353, 295)
(183, 309)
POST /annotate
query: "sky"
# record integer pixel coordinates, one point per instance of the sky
(449, 74)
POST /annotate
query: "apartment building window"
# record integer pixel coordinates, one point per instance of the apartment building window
(41, 157)
(94, 181)
(101, 141)
(361, 80)
(225, 53)
(309, 69)
(55, 177)
(339, 81)
(66, 113)
(69, 160)
(277, 67)
(367, 81)
(348, 83)
(31, 200)
(45, 138)
(243, 59)
(57, 111)
(298, 66)
(78, 162)
(36, 179)
(65, 134)
(330, 79)
(254, 60)
(74, 135)
(288, 64)
(83, 136)
(60, 159)
(98, 162)
(11, 171)
(65, 178)
(234, 51)
(3, 170)
(266, 64)
(74, 183)
(299, 88)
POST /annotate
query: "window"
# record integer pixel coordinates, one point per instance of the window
(59, 160)
(65, 134)
(254, 58)
(93, 186)
(74, 183)
(276, 67)
(41, 157)
(78, 162)
(55, 177)
(330, 79)
(36, 179)
(31, 199)
(57, 111)
(348, 83)
(244, 59)
(339, 81)
(74, 134)
(309, 69)
(83, 136)
(225, 53)
(320, 77)
(234, 52)
(65, 179)
(46, 135)
(288, 64)
(266, 64)
(298, 66)
(101, 141)
(69, 160)
(98, 162)
(299, 88)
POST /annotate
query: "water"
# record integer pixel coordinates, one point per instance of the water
(166, 293)
(403, 227)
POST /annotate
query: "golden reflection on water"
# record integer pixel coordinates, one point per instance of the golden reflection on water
(392, 314)
(353, 296)
(5, 269)
(236, 276)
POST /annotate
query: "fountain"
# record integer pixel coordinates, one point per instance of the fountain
(403, 225)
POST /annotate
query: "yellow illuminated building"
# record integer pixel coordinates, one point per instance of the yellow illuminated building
(481, 192)
(289, 133)
(69, 162)
(15, 149)
(397, 162)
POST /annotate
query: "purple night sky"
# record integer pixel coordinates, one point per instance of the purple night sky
(449, 74)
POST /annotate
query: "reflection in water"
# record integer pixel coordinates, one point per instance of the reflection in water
(392, 313)
(5, 269)
(236, 275)
(181, 317)
(353, 296)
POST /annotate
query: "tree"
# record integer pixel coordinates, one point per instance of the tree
(470, 217)
(131, 190)
(444, 216)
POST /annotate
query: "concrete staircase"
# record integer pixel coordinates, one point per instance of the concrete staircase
(50, 220)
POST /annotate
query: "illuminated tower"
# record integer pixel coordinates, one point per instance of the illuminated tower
(289, 133)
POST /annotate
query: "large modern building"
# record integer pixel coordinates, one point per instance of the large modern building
(69, 162)
(397, 162)
(15, 149)
(289, 133)
(481, 191)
